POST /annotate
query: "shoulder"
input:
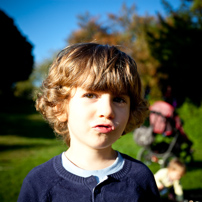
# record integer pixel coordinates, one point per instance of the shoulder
(41, 174)
(138, 172)
(39, 181)
(137, 167)
(161, 172)
(141, 178)
(43, 167)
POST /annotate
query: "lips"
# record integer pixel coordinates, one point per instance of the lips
(103, 128)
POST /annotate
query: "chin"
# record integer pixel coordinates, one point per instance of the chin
(101, 146)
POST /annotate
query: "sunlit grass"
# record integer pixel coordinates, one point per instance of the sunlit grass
(18, 157)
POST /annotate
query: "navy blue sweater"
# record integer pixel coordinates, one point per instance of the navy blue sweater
(51, 182)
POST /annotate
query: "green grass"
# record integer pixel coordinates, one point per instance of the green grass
(27, 141)
(17, 162)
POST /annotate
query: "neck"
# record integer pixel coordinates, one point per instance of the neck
(91, 159)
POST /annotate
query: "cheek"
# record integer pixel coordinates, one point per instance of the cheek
(175, 176)
(127, 115)
(124, 117)
(178, 176)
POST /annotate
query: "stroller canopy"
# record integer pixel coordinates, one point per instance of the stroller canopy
(160, 112)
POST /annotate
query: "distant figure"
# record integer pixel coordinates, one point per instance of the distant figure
(91, 97)
(169, 178)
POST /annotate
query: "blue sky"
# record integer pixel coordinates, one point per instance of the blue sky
(48, 23)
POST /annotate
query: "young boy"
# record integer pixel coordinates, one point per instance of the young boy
(170, 178)
(91, 97)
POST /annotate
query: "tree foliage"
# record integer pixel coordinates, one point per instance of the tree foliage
(125, 29)
(166, 49)
(15, 55)
(176, 42)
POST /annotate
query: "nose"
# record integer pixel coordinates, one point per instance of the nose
(105, 107)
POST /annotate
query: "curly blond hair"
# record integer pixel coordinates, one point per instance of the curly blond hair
(93, 67)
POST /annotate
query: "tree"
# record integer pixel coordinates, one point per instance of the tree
(91, 29)
(176, 42)
(125, 29)
(15, 55)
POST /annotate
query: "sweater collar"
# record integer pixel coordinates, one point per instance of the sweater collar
(62, 172)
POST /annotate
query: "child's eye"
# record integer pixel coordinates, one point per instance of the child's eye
(90, 95)
(119, 100)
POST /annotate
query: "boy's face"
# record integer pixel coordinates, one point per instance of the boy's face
(175, 174)
(96, 119)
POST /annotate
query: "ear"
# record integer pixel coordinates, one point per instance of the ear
(61, 115)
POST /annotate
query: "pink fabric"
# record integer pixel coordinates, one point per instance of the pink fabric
(164, 108)
(158, 121)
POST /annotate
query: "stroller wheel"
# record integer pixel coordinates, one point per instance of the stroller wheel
(144, 155)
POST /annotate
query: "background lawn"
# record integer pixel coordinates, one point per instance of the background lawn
(26, 141)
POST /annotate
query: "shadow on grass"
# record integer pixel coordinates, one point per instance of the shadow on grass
(25, 128)
(19, 118)
(4, 147)
(24, 122)
(193, 194)
(195, 165)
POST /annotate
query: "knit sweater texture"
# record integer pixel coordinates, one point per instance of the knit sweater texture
(50, 181)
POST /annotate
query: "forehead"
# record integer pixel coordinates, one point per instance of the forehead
(177, 170)
(107, 87)
(80, 90)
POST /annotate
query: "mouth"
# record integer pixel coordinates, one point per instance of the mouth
(103, 128)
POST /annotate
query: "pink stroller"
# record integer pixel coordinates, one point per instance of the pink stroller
(164, 138)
